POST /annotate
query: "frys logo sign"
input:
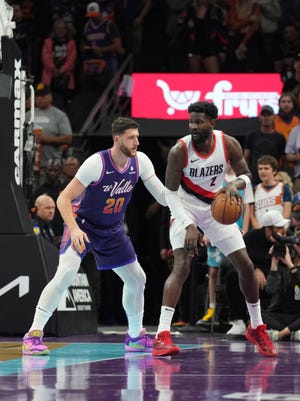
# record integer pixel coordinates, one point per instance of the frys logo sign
(167, 96)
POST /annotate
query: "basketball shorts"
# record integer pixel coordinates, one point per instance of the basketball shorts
(227, 238)
(110, 246)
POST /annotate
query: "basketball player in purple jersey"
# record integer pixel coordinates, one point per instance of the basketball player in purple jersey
(101, 191)
(195, 173)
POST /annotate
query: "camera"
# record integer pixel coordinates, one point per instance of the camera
(279, 249)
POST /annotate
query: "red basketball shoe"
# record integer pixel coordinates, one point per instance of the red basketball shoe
(163, 345)
(261, 339)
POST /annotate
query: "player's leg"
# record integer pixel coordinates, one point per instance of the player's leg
(134, 280)
(163, 344)
(234, 248)
(69, 264)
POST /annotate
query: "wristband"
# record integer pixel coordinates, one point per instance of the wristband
(245, 178)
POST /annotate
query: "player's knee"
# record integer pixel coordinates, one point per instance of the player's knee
(66, 272)
(141, 278)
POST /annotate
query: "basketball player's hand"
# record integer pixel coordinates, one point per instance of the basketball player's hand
(78, 240)
(231, 190)
(192, 240)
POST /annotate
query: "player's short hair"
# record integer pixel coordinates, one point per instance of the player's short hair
(208, 108)
(121, 124)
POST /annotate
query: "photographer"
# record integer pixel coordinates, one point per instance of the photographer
(283, 281)
(258, 243)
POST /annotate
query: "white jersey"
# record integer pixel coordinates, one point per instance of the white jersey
(268, 199)
(203, 175)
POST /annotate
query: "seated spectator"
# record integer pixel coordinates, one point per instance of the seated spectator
(285, 178)
(264, 141)
(286, 118)
(294, 80)
(258, 243)
(70, 168)
(59, 56)
(42, 218)
(269, 194)
(292, 150)
(52, 186)
(52, 127)
(100, 49)
(282, 316)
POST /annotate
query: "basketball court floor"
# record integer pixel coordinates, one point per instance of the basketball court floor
(95, 367)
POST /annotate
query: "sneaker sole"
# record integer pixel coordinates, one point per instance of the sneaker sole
(138, 350)
(259, 349)
(165, 352)
(36, 353)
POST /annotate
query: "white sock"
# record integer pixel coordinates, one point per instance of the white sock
(255, 314)
(212, 305)
(41, 317)
(165, 320)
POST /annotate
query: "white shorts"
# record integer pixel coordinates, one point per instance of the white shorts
(227, 238)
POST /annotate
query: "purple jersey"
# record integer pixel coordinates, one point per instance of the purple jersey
(104, 202)
(101, 211)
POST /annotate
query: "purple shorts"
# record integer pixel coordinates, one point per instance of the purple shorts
(110, 246)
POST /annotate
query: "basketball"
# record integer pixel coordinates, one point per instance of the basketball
(225, 212)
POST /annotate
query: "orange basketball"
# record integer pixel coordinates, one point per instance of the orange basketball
(225, 212)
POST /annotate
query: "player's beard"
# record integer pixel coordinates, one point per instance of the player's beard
(128, 152)
(200, 137)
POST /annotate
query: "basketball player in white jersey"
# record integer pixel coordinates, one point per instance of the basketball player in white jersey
(195, 173)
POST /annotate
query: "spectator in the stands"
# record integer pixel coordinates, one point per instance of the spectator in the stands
(285, 50)
(51, 126)
(129, 17)
(22, 34)
(269, 17)
(207, 37)
(101, 46)
(284, 177)
(286, 119)
(43, 217)
(244, 50)
(292, 151)
(59, 56)
(294, 80)
(269, 194)
(70, 168)
(290, 12)
(52, 186)
(296, 93)
(263, 141)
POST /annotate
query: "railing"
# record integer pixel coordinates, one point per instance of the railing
(109, 103)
